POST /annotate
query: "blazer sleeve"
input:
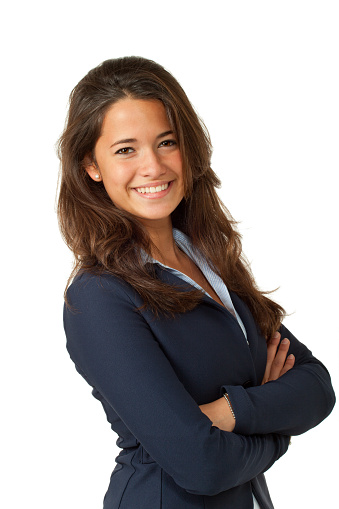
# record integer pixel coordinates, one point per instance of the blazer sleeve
(292, 404)
(116, 350)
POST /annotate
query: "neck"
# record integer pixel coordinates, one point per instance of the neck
(165, 250)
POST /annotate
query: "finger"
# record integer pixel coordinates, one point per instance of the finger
(279, 360)
(272, 346)
(288, 364)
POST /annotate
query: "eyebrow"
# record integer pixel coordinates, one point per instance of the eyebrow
(133, 140)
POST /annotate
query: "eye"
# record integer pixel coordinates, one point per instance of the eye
(125, 150)
(168, 143)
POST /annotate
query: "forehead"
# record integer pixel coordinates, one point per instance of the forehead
(140, 115)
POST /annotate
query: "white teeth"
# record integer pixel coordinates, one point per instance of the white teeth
(152, 189)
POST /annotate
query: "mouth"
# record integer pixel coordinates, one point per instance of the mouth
(152, 189)
(155, 191)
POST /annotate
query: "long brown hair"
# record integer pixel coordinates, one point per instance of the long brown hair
(103, 238)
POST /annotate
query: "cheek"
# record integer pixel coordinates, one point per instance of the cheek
(175, 164)
(178, 165)
(178, 159)
(117, 177)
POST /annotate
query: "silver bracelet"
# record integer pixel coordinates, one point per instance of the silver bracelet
(229, 404)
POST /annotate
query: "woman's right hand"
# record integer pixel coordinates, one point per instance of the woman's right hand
(277, 363)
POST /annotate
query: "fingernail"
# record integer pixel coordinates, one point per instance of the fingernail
(276, 335)
(291, 356)
(284, 341)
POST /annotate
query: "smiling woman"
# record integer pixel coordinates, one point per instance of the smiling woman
(144, 177)
(195, 371)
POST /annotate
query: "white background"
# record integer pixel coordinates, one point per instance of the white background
(264, 77)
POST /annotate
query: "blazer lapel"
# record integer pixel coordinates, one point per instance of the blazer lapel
(257, 342)
(174, 280)
(256, 356)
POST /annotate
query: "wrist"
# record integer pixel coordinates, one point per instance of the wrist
(219, 413)
(230, 405)
(224, 418)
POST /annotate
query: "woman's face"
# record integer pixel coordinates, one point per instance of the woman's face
(139, 160)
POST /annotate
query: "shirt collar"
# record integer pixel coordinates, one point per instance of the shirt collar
(182, 241)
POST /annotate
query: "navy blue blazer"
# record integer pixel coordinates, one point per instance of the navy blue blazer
(150, 376)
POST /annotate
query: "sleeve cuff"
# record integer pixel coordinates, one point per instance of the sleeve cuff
(242, 407)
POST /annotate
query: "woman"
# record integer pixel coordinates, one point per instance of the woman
(163, 318)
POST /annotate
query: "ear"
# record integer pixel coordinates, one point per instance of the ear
(92, 169)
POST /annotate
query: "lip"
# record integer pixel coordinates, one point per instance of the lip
(152, 196)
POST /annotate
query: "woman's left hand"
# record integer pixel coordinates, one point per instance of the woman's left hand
(277, 361)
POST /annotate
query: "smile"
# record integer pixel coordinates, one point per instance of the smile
(154, 192)
(151, 190)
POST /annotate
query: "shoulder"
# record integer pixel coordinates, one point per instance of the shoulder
(89, 290)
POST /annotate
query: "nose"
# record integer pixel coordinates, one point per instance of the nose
(151, 165)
